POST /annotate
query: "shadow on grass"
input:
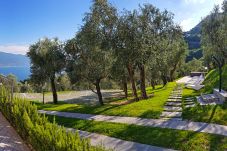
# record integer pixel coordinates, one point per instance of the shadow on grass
(151, 114)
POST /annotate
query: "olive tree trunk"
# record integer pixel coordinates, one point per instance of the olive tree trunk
(98, 90)
(131, 77)
(125, 88)
(142, 82)
(53, 88)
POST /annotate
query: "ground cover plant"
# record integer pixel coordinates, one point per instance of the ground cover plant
(36, 130)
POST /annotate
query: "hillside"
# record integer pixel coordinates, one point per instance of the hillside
(212, 79)
(13, 60)
(193, 39)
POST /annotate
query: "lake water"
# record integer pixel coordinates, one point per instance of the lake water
(21, 72)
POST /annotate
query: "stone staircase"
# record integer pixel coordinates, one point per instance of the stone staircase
(188, 102)
(173, 106)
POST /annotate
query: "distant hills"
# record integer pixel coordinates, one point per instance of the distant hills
(19, 65)
(193, 38)
(13, 60)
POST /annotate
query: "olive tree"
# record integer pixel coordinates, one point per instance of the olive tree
(89, 53)
(47, 60)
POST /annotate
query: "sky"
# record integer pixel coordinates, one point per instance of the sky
(23, 22)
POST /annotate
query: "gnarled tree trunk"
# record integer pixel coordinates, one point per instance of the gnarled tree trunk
(142, 82)
(153, 84)
(131, 77)
(125, 88)
(164, 79)
(53, 88)
(98, 89)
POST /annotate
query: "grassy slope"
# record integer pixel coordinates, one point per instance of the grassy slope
(212, 114)
(169, 138)
(212, 79)
(150, 108)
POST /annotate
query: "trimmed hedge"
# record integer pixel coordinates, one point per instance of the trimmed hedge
(37, 131)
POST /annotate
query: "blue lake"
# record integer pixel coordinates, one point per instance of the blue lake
(21, 72)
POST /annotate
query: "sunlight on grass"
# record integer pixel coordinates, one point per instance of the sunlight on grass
(169, 138)
(150, 108)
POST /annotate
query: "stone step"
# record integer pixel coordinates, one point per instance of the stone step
(171, 97)
(179, 92)
(173, 103)
(174, 94)
(172, 118)
(190, 98)
(174, 100)
(191, 105)
(166, 114)
(172, 108)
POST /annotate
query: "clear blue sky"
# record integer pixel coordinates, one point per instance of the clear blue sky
(23, 22)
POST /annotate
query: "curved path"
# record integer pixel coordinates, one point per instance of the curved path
(9, 139)
(172, 124)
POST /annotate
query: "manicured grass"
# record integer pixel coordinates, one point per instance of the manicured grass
(150, 108)
(169, 138)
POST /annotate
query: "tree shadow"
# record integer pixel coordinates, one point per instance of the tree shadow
(151, 114)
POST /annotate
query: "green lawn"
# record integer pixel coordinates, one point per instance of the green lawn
(150, 108)
(169, 138)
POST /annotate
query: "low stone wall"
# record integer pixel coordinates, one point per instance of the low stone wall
(222, 95)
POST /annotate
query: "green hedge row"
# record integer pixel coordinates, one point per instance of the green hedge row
(37, 131)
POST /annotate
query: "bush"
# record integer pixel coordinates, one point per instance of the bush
(37, 131)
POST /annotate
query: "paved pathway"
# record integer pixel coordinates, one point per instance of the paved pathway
(9, 139)
(117, 144)
(171, 123)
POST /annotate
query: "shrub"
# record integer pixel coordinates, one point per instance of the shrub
(37, 131)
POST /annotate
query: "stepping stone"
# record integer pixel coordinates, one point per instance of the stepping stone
(187, 106)
(188, 103)
(171, 114)
(172, 118)
(191, 98)
(173, 103)
(174, 100)
(172, 108)
(175, 97)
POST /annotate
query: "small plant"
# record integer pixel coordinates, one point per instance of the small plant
(37, 131)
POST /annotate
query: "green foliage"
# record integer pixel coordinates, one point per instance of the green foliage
(194, 65)
(89, 55)
(15, 85)
(64, 83)
(37, 131)
(212, 79)
(47, 59)
(214, 34)
(168, 138)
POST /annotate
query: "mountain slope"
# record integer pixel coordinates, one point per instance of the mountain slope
(193, 37)
(7, 59)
